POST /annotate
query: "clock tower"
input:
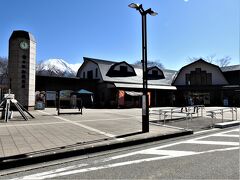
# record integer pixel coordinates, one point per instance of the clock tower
(21, 67)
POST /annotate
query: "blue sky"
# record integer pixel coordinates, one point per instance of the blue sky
(109, 29)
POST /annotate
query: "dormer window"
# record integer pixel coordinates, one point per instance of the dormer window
(96, 72)
(121, 69)
(155, 73)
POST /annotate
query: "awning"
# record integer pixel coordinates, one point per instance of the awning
(231, 87)
(139, 86)
(133, 93)
(82, 91)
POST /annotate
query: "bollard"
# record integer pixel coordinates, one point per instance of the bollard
(222, 114)
(236, 113)
(160, 114)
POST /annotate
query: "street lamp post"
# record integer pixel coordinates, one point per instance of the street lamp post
(145, 101)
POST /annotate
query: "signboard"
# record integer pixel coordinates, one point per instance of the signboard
(65, 94)
(50, 95)
(144, 107)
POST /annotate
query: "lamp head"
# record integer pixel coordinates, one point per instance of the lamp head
(151, 12)
(134, 6)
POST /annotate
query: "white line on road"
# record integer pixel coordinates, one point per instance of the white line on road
(224, 143)
(37, 124)
(39, 175)
(172, 153)
(52, 174)
(84, 126)
(227, 135)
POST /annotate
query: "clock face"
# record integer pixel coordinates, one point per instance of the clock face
(24, 45)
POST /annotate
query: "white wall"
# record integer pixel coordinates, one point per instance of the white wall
(88, 67)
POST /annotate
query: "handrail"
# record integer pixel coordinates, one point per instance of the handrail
(221, 111)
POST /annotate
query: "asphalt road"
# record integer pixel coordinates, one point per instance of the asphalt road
(213, 155)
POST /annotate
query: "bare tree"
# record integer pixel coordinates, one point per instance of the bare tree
(210, 58)
(225, 61)
(3, 70)
(222, 62)
(151, 63)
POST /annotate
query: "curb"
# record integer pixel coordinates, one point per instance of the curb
(24, 159)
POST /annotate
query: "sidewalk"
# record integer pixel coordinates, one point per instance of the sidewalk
(96, 130)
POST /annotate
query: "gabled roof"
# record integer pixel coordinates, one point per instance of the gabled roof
(201, 61)
(230, 68)
(104, 66)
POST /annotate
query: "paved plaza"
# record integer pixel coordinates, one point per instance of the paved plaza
(48, 132)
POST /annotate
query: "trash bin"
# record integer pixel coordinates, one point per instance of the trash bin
(40, 105)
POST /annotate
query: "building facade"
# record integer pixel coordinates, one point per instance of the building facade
(119, 84)
(204, 83)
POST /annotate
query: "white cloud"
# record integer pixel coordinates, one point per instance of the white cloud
(186, 0)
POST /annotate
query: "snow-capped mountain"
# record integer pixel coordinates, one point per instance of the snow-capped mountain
(57, 67)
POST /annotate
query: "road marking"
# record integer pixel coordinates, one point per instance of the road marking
(36, 176)
(171, 153)
(213, 142)
(227, 135)
(52, 174)
(165, 146)
(204, 131)
(36, 124)
(86, 127)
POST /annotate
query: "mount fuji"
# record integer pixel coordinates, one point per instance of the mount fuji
(57, 67)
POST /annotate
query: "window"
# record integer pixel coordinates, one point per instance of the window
(96, 73)
(198, 77)
(84, 75)
(188, 81)
(123, 69)
(209, 78)
(154, 72)
(90, 74)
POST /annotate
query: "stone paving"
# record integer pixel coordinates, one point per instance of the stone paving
(47, 131)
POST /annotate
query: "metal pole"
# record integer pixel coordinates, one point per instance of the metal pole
(145, 105)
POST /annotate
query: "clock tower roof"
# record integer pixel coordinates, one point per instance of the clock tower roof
(22, 34)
